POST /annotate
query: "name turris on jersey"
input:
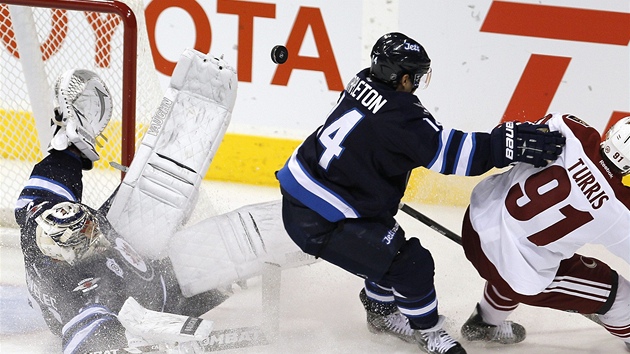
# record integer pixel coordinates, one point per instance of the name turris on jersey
(365, 94)
(586, 181)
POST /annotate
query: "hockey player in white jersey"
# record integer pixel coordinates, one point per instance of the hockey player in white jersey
(524, 227)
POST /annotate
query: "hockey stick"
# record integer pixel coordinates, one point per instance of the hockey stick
(430, 223)
(225, 339)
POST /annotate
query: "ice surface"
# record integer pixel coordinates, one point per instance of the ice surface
(319, 305)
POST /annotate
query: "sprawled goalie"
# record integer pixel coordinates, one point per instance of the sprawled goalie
(103, 281)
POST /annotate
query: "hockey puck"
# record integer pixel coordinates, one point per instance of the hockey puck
(279, 54)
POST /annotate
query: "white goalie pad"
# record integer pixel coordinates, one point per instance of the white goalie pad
(234, 246)
(161, 186)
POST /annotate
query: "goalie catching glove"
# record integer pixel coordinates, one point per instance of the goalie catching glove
(525, 142)
(83, 111)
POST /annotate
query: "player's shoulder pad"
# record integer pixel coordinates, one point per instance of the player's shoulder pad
(575, 119)
(565, 116)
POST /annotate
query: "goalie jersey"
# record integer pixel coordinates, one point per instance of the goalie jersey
(80, 303)
(358, 163)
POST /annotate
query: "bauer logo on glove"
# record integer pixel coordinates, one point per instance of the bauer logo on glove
(84, 109)
(525, 142)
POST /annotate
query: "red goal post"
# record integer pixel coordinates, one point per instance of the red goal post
(39, 39)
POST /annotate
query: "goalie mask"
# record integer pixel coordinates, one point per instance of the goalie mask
(616, 146)
(84, 109)
(69, 232)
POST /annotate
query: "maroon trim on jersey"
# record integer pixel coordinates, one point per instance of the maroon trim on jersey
(557, 295)
(591, 140)
(498, 301)
(622, 332)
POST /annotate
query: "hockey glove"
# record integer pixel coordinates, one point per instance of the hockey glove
(525, 142)
(84, 109)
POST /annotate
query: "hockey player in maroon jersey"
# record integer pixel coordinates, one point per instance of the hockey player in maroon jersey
(342, 186)
(524, 227)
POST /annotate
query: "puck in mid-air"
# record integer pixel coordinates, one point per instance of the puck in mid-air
(279, 54)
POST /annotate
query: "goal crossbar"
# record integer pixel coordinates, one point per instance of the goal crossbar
(130, 24)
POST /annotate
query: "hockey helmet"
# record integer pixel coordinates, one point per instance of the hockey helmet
(616, 146)
(395, 55)
(69, 232)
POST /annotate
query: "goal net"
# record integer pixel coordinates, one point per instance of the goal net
(38, 43)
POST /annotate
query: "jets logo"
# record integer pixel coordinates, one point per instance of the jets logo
(130, 255)
(87, 284)
(133, 261)
(33, 209)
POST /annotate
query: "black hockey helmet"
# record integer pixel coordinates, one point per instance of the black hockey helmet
(395, 55)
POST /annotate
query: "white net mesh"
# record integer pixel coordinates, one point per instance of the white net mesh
(62, 40)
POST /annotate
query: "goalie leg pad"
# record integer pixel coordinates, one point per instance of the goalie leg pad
(161, 187)
(226, 248)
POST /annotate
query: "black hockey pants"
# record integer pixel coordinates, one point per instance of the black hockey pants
(372, 248)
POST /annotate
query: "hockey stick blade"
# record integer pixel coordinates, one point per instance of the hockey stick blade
(119, 167)
(224, 339)
(430, 223)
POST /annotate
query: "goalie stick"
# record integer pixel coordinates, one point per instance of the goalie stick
(224, 339)
(430, 223)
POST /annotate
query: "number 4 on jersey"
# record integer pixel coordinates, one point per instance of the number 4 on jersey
(334, 135)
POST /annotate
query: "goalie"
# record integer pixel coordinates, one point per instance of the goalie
(79, 271)
(120, 279)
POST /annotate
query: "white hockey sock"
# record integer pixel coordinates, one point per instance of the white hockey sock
(617, 319)
(490, 314)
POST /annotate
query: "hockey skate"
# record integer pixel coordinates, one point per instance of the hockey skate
(507, 332)
(435, 340)
(386, 319)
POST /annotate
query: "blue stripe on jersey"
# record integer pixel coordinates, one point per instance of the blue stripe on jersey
(447, 147)
(459, 153)
(94, 310)
(439, 161)
(23, 201)
(473, 146)
(49, 185)
(437, 155)
(82, 325)
(464, 161)
(81, 335)
(462, 155)
(300, 185)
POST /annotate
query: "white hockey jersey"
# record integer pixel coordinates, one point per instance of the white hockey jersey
(529, 219)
